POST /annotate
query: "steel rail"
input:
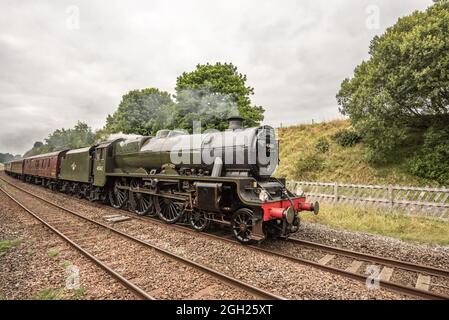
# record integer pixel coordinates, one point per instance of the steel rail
(396, 287)
(410, 291)
(140, 292)
(419, 268)
(348, 253)
(258, 292)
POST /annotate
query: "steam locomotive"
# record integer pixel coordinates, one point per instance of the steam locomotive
(219, 177)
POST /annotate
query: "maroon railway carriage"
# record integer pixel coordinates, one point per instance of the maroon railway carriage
(43, 169)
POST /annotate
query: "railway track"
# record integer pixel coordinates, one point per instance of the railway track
(420, 289)
(78, 231)
(386, 266)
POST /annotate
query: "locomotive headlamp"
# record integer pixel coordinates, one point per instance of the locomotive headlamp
(263, 196)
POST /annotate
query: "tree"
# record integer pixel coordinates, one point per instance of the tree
(211, 93)
(38, 144)
(403, 89)
(38, 148)
(6, 157)
(142, 112)
(79, 136)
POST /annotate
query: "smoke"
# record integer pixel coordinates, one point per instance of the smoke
(121, 135)
(211, 108)
(205, 101)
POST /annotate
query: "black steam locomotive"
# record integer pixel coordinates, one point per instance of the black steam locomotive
(220, 177)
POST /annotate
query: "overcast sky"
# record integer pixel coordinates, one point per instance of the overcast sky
(63, 61)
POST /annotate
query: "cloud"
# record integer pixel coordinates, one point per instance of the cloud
(55, 71)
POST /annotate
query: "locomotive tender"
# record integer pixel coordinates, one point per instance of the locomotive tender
(221, 177)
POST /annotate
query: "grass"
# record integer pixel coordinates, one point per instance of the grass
(8, 244)
(79, 293)
(383, 222)
(53, 253)
(49, 294)
(60, 294)
(345, 165)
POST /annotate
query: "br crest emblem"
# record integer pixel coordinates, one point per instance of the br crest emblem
(73, 166)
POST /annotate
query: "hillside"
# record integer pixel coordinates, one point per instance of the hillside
(345, 165)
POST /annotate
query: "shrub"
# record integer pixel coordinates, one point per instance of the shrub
(305, 167)
(432, 161)
(322, 146)
(346, 138)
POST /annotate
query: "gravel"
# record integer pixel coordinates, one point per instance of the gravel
(281, 276)
(437, 256)
(162, 277)
(36, 267)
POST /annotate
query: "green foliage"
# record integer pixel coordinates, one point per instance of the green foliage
(78, 294)
(212, 93)
(432, 161)
(49, 294)
(5, 245)
(322, 146)
(38, 148)
(382, 221)
(340, 164)
(396, 95)
(346, 138)
(38, 144)
(6, 157)
(209, 94)
(60, 294)
(142, 112)
(306, 167)
(53, 253)
(211, 109)
(78, 137)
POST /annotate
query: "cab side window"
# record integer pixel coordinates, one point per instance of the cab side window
(98, 154)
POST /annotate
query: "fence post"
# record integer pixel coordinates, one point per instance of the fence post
(390, 195)
(336, 192)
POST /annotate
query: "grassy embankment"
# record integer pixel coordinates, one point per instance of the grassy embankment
(382, 222)
(348, 165)
(345, 165)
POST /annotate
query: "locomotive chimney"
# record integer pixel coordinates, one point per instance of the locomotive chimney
(235, 122)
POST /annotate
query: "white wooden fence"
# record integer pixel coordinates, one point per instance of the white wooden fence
(432, 202)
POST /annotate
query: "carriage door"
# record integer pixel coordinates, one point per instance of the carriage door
(99, 167)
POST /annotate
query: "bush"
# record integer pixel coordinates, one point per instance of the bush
(347, 138)
(432, 161)
(322, 146)
(305, 167)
